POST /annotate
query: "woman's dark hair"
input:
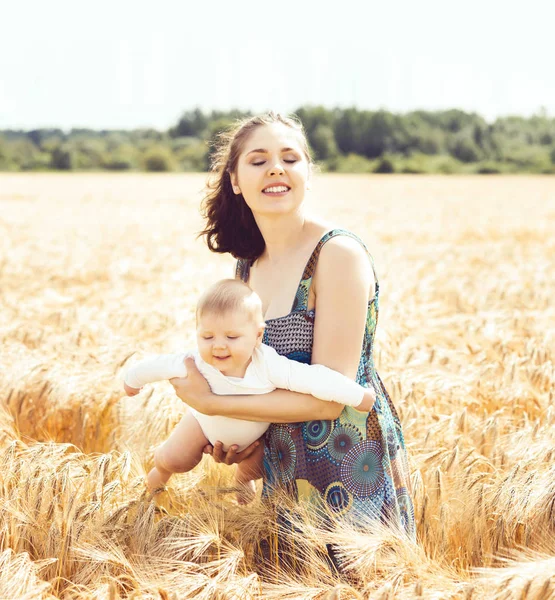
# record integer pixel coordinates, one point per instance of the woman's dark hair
(230, 225)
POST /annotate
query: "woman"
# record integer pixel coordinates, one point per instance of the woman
(353, 463)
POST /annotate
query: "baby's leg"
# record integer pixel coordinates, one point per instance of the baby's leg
(247, 471)
(180, 453)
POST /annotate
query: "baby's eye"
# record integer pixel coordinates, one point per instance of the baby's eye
(232, 337)
(206, 337)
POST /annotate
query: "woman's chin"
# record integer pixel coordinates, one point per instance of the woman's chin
(279, 209)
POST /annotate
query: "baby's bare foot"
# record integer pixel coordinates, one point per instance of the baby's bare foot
(152, 493)
(245, 492)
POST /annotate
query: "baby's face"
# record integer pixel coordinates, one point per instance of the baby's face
(227, 341)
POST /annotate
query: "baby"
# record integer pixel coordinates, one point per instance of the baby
(234, 361)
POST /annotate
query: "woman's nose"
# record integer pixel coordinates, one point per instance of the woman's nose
(277, 168)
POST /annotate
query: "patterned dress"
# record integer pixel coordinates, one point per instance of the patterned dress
(355, 465)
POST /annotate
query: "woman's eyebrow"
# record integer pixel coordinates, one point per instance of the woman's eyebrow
(263, 150)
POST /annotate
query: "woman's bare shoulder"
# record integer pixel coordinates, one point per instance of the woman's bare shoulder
(341, 248)
(343, 258)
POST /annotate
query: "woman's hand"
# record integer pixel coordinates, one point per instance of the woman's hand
(194, 389)
(231, 456)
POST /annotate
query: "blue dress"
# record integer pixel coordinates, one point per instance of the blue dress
(355, 465)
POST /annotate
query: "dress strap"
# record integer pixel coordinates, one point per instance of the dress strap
(301, 298)
(300, 304)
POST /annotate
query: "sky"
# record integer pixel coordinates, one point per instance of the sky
(117, 64)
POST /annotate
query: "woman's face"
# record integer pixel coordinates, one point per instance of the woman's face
(272, 171)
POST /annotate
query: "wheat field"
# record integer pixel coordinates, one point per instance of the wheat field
(96, 268)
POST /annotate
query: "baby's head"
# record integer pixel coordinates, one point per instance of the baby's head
(230, 326)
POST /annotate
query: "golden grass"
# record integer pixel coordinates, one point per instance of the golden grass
(96, 267)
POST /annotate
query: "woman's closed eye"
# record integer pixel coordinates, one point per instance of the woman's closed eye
(257, 164)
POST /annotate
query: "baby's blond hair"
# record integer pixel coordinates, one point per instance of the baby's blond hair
(229, 295)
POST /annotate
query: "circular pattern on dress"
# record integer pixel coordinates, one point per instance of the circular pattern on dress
(315, 457)
(362, 469)
(284, 454)
(406, 510)
(338, 498)
(341, 440)
(316, 433)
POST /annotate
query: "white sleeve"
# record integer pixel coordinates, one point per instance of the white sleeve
(157, 368)
(316, 380)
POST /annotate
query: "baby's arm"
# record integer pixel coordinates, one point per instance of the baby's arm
(158, 368)
(316, 380)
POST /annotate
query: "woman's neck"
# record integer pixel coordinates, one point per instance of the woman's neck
(281, 234)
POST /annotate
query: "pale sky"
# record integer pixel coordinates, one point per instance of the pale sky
(125, 64)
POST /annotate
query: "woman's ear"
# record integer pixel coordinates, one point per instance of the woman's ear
(234, 183)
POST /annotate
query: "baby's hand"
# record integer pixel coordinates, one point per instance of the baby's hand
(130, 391)
(367, 401)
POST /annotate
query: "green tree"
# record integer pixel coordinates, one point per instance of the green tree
(347, 131)
(24, 154)
(379, 133)
(385, 166)
(422, 134)
(6, 161)
(191, 154)
(90, 153)
(352, 163)
(323, 143)
(158, 159)
(63, 157)
(464, 148)
(123, 158)
(313, 117)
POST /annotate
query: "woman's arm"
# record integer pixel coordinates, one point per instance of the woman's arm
(279, 406)
(343, 284)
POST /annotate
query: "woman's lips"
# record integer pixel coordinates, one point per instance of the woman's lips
(276, 194)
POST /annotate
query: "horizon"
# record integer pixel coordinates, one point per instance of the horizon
(541, 112)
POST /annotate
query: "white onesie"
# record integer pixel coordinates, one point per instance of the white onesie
(266, 372)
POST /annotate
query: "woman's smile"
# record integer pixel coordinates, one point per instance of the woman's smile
(276, 194)
(276, 189)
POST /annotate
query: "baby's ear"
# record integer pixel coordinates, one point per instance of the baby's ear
(259, 336)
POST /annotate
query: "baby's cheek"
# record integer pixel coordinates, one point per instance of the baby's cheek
(204, 353)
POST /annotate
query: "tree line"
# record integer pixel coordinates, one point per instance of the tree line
(344, 140)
